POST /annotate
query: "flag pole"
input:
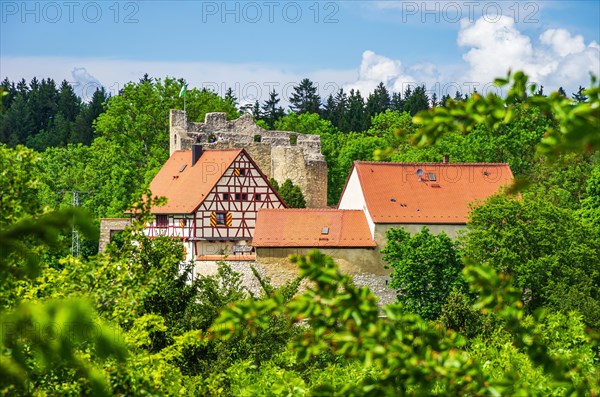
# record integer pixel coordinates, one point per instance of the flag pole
(183, 92)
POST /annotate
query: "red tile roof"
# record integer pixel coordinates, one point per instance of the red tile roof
(186, 188)
(249, 258)
(394, 194)
(294, 227)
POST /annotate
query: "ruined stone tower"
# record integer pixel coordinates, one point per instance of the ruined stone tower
(279, 154)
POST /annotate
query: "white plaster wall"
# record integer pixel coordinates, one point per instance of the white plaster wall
(354, 199)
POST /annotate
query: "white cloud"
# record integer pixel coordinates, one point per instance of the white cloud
(492, 48)
(84, 83)
(562, 42)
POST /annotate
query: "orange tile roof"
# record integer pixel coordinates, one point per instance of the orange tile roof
(293, 227)
(394, 194)
(186, 190)
(226, 257)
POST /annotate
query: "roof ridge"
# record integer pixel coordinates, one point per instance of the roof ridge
(309, 209)
(229, 149)
(424, 163)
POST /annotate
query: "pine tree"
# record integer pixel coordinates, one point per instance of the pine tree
(445, 99)
(305, 99)
(22, 88)
(17, 124)
(579, 97)
(434, 100)
(328, 112)
(562, 92)
(8, 92)
(397, 104)
(270, 111)
(540, 91)
(407, 94)
(378, 101)
(146, 79)
(42, 100)
(83, 131)
(417, 101)
(340, 117)
(358, 118)
(230, 97)
(69, 103)
(256, 113)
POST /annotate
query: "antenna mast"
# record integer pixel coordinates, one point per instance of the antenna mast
(75, 238)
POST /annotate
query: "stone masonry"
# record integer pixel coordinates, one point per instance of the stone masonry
(279, 154)
(280, 273)
(108, 227)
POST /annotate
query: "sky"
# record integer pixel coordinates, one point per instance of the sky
(257, 46)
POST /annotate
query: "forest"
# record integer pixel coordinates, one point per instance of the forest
(510, 308)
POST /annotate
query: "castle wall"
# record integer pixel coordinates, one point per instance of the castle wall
(280, 272)
(108, 227)
(279, 154)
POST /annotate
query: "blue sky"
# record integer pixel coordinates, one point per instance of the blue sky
(257, 45)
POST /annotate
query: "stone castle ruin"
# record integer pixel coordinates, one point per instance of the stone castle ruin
(279, 154)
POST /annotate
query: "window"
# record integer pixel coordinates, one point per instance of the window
(162, 220)
(239, 172)
(225, 196)
(432, 176)
(293, 140)
(257, 197)
(241, 196)
(221, 218)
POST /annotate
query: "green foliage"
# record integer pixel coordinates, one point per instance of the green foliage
(574, 127)
(563, 180)
(19, 183)
(550, 253)
(459, 315)
(426, 268)
(305, 98)
(590, 206)
(42, 337)
(568, 376)
(291, 194)
(41, 115)
(161, 333)
(131, 144)
(403, 352)
(306, 123)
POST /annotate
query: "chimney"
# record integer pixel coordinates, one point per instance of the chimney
(446, 159)
(196, 153)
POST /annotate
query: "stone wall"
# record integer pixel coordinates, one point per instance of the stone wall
(350, 260)
(282, 271)
(279, 154)
(108, 227)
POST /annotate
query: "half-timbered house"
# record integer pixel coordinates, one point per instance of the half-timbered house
(213, 197)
